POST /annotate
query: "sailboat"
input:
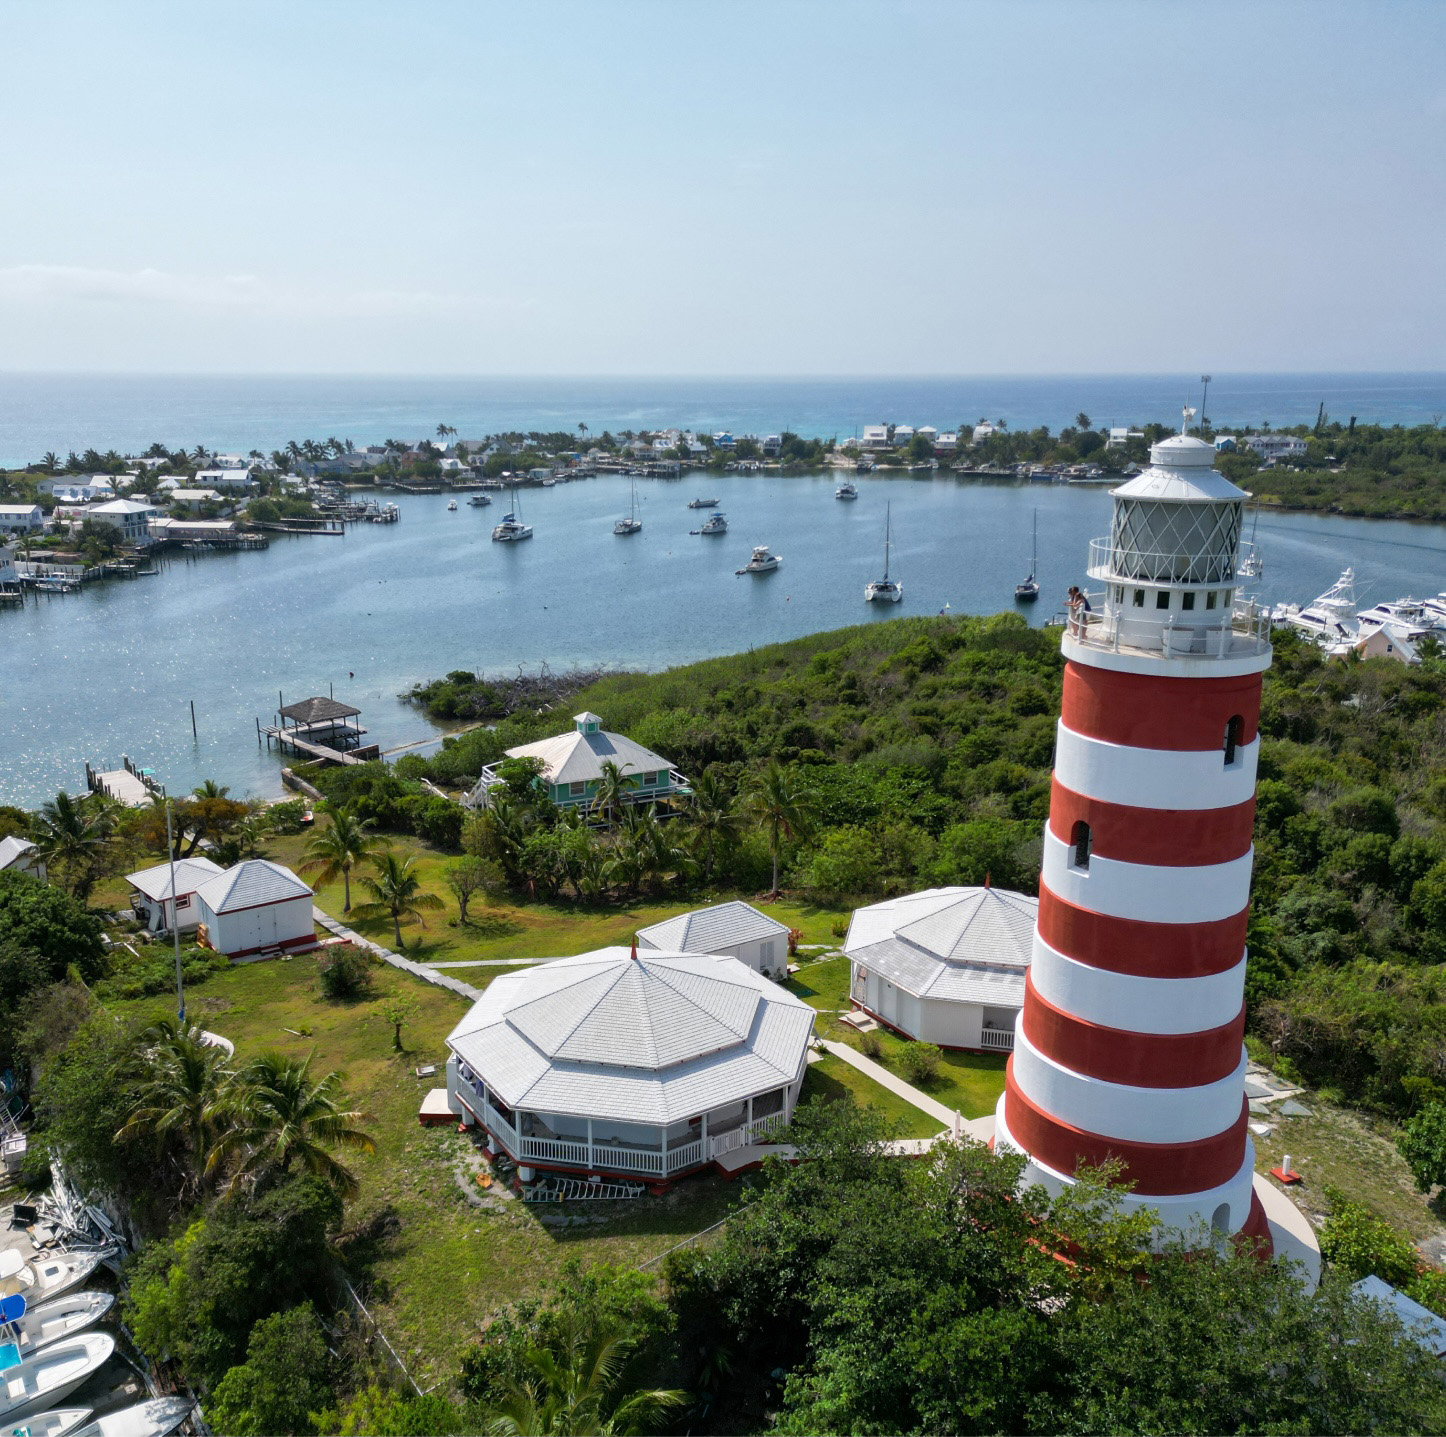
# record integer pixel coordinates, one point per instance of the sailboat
(1252, 566)
(632, 524)
(885, 589)
(512, 529)
(1028, 591)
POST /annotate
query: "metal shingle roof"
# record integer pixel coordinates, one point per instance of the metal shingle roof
(577, 757)
(706, 930)
(250, 884)
(191, 875)
(968, 945)
(650, 1040)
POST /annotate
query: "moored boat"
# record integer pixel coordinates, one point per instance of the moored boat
(702, 503)
(847, 490)
(885, 590)
(715, 524)
(1028, 591)
(1330, 619)
(762, 562)
(51, 1375)
(478, 501)
(512, 530)
(451, 506)
(632, 524)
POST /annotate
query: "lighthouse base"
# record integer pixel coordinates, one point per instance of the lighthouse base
(1226, 1211)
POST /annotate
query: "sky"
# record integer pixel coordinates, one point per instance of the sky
(650, 187)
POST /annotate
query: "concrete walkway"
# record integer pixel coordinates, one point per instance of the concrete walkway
(495, 963)
(417, 970)
(885, 1079)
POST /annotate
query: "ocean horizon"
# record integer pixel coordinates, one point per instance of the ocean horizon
(41, 412)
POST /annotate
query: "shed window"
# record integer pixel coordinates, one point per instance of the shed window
(1079, 839)
(183, 901)
(1233, 730)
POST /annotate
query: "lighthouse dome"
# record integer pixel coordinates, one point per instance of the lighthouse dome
(1181, 471)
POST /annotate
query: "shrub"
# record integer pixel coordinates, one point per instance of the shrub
(919, 1062)
(1360, 1243)
(286, 817)
(1423, 1145)
(872, 1044)
(347, 971)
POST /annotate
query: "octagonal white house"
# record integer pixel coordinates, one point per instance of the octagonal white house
(946, 966)
(646, 1065)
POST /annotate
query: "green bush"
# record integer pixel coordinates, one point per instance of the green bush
(918, 1063)
(286, 817)
(1423, 1145)
(871, 1044)
(347, 971)
(1360, 1243)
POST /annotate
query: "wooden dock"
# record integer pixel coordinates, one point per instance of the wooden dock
(321, 729)
(132, 786)
(287, 739)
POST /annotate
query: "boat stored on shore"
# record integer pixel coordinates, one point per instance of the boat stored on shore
(51, 1375)
(30, 1328)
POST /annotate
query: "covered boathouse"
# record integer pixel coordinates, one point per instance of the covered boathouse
(636, 1065)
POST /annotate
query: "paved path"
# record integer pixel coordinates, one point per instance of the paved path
(885, 1079)
(417, 970)
(495, 963)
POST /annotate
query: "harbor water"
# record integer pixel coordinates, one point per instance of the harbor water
(113, 669)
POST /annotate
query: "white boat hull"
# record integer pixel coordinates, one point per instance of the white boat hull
(52, 1274)
(42, 1381)
(156, 1418)
(880, 594)
(59, 1422)
(61, 1317)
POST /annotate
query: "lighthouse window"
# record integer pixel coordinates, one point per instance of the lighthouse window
(1210, 599)
(1119, 593)
(1162, 599)
(1080, 845)
(1139, 598)
(1233, 730)
(1187, 601)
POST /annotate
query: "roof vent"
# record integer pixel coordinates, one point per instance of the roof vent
(587, 722)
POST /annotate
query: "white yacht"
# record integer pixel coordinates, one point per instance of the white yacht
(715, 524)
(847, 490)
(885, 590)
(1330, 620)
(702, 503)
(1414, 618)
(511, 529)
(478, 501)
(451, 506)
(632, 524)
(762, 562)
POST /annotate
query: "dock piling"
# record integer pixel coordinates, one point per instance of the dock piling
(193, 718)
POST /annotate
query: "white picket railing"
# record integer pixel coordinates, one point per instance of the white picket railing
(747, 1133)
(555, 1150)
(997, 1039)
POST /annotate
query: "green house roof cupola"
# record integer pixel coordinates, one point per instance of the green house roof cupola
(587, 723)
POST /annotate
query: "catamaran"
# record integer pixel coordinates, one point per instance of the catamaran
(885, 590)
(512, 529)
(847, 490)
(1028, 591)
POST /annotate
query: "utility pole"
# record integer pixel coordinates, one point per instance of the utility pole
(175, 920)
(1204, 391)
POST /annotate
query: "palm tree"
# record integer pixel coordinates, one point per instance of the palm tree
(199, 454)
(612, 791)
(570, 1389)
(211, 789)
(332, 852)
(278, 1114)
(50, 460)
(396, 892)
(182, 1079)
(711, 813)
(782, 808)
(73, 837)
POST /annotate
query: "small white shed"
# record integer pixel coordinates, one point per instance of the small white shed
(726, 930)
(257, 907)
(156, 906)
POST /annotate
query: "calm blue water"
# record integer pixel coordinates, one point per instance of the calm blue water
(111, 670)
(128, 413)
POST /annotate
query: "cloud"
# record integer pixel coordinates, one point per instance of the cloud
(52, 284)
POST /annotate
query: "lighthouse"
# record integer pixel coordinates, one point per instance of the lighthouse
(1129, 1044)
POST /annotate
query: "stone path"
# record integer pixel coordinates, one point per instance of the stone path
(417, 970)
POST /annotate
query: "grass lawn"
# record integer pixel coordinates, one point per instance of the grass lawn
(524, 931)
(832, 1078)
(968, 1082)
(449, 1261)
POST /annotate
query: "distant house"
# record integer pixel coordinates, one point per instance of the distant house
(772, 445)
(130, 518)
(983, 431)
(21, 519)
(255, 909)
(18, 855)
(1225, 444)
(1120, 436)
(9, 575)
(902, 434)
(947, 442)
(946, 965)
(192, 499)
(79, 489)
(1388, 642)
(726, 930)
(168, 528)
(876, 436)
(723, 440)
(157, 907)
(1275, 446)
(572, 767)
(927, 431)
(223, 479)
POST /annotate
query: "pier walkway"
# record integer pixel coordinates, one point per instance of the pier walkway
(128, 784)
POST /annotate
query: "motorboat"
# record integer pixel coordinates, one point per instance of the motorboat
(1413, 618)
(715, 524)
(847, 490)
(50, 1274)
(702, 503)
(31, 1328)
(451, 506)
(157, 1418)
(1330, 619)
(512, 530)
(59, 1422)
(885, 590)
(479, 501)
(1028, 591)
(762, 562)
(632, 524)
(38, 1383)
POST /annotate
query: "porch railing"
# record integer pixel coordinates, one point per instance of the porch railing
(747, 1133)
(1000, 1040)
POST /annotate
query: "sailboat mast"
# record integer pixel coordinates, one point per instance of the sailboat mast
(888, 527)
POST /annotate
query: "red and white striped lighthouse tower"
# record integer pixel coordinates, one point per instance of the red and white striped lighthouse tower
(1129, 1044)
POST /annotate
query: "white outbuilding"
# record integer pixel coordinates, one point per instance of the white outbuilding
(641, 1065)
(726, 930)
(154, 902)
(947, 965)
(254, 910)
(20, 856)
